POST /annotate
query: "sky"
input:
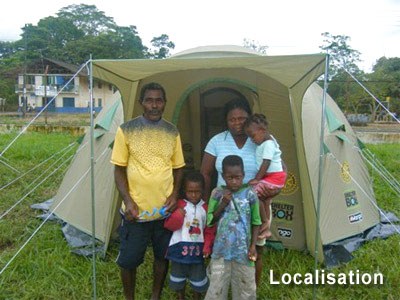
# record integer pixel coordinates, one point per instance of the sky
(286, 27)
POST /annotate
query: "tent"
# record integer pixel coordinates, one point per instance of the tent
(198, 83)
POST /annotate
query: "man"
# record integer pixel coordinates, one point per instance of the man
(148, 160)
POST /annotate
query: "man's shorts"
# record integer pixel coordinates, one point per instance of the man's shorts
(195, 273)
(136, 236)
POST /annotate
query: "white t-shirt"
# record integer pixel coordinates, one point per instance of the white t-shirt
(270, 150)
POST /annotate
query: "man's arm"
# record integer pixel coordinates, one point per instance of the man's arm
(173, 198)
(121, 181)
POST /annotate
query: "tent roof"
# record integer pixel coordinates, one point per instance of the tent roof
(217, 51)
(288, 70)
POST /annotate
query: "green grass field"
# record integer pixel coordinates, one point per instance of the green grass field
(45, 268)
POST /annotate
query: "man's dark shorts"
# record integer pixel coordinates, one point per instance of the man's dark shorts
(136, 236)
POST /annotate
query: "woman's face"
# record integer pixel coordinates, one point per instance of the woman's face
(235, 121)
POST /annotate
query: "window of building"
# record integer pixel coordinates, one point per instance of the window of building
(99, 85)
(30, 79)
(68, 102)
(110, 87)
(99, 102)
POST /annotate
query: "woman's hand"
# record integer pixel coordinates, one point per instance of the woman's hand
(265, 192)
(253, 182)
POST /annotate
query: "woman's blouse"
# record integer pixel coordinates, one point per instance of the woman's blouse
(223, 144)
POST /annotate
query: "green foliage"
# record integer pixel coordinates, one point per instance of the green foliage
(87, 18)
(76, 32)
(255, 45)
(161, 46)
(341, 54)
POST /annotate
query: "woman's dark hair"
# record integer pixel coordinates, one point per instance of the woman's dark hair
(239, 103)
(259, 119)
(232, 161)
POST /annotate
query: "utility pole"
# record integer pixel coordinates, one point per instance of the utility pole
(347, 93)
(45, 94)
(24, 79)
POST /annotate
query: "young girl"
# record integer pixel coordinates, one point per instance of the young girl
(271, 172)
(191, 239)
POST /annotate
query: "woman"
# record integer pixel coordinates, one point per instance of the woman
(234, 141)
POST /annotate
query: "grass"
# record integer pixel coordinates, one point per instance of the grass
(45, 268)
(52, 119)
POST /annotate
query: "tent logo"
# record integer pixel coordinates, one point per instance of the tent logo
(291, 184)
(282, 211)
(285, 233)
(351, 199)
(345, 172)
(355, 218)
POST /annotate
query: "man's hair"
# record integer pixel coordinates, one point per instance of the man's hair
(193, 176)
(152, 86)
(232, 161)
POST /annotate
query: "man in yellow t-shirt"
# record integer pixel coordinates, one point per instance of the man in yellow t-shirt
(148, 160)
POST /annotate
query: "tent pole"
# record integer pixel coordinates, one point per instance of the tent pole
(321, 161)
(92, 175)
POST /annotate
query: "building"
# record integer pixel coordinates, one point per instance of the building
(73, 98)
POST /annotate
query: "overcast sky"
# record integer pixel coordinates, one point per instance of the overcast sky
(287, 27)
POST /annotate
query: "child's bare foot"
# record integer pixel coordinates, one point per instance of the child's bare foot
(265, 231)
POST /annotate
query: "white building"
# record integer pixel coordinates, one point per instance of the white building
(73, 98)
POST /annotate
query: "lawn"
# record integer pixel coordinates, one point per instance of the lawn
(45, 268)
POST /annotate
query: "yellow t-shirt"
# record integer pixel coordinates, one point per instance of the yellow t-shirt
(149, 150)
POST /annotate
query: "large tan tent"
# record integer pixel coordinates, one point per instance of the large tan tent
(198, 83)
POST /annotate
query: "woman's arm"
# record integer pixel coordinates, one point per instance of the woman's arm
(207, 169)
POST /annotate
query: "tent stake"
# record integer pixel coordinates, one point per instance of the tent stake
(321, 161)
(92, 176)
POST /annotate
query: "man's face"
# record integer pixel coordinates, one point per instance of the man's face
(153, 105)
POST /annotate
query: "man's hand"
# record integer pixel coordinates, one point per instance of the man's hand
(252, 255)
(206, 254)
(171, 202)
(131, 211)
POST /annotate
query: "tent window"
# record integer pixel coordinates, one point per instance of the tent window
(333, 122)
(343, 137)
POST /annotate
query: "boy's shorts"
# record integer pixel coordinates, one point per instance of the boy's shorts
(195, 273)
(226, 273)
(136, 236)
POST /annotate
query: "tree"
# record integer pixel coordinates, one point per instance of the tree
(76, 32)
(340, 52)
(87, 18)
(252, 44)
(385, 80)
(341, 55)
(161, 47)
